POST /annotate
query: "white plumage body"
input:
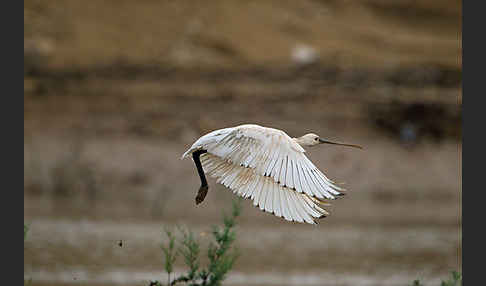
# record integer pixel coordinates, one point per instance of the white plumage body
(269, 167)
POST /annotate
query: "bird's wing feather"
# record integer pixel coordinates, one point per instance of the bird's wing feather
(264, 191)
(272, 153)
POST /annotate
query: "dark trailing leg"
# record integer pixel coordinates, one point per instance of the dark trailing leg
(203, 190)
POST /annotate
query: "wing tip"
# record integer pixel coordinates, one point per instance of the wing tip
(314, 222)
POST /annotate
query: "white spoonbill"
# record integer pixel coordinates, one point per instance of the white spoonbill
(267, 166)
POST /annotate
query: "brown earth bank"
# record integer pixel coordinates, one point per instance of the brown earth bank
(364, 33)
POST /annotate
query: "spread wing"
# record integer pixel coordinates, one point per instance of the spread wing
(269, 167)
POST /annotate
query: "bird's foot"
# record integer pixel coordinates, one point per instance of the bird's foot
(201, 194)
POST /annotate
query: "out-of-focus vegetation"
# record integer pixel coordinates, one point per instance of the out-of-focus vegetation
(455, 280)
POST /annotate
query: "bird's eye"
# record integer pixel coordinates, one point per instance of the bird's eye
(316, 138)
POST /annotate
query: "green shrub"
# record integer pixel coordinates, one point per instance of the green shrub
(220, 253)
(417, 283)
(456, 280)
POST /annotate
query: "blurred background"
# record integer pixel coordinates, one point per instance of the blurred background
(115, 91)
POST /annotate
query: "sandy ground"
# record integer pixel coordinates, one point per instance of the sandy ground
(85, 251)
(401, 219)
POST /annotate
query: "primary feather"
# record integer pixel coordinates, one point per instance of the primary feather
(269, 167)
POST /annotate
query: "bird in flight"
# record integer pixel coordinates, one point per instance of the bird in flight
(267, 166)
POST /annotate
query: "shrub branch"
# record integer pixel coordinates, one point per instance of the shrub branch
(221, 253)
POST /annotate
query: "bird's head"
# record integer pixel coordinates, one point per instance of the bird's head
(312, 139)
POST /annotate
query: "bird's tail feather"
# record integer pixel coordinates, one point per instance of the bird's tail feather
(186, 154)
